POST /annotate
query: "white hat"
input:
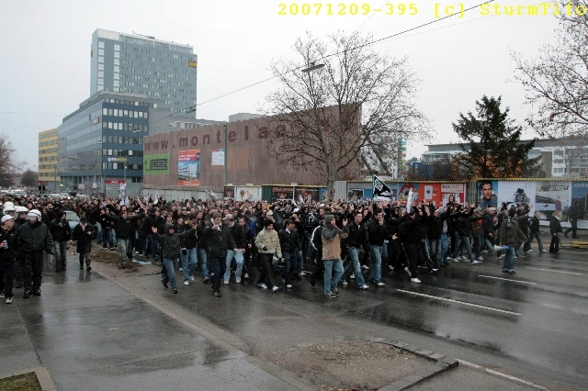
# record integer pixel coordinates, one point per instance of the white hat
(34, 214)
(6, 217)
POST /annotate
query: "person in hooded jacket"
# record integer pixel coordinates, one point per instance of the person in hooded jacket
(7, 257)
(33, 238)
(83, 233)
(510, 235)
(170, 251)
(61, 233)
(331, 237)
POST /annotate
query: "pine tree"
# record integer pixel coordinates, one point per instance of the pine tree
(493, 148)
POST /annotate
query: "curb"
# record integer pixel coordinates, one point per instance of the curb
(441, 362)
(43, 377)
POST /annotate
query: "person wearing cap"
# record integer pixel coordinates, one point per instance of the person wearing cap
(32, 239)
(61, 233)
(510, 232)
(218, 241)
(83, 233)
(7, 257)
(268, 244)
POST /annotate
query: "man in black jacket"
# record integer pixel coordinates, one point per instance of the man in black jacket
(188, 257)
(125, 228)
(61, 234)
(375, 233)
(409, 232)
(354, 241)
(218, 241)
(238, 236)
(170, 251)
(32, 239)
(573, 215)
(534, 233)
(7, 256)
(289, 243)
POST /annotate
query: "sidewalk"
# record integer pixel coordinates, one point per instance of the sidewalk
(109, 330)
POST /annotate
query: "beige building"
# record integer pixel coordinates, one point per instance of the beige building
(47, 167)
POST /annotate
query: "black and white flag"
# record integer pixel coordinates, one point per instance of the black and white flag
(381, 189)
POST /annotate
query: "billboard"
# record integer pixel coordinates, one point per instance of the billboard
(306, 195)
(189, 168)
(157, 164)
(282, 193)
(248, 193)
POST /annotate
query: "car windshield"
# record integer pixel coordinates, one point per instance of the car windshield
(72, 216)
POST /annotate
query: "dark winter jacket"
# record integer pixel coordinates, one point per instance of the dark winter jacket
(170, 243)
(218, 241)
(375, 233)
(510, 231)
(554, 225)
(7, 255)
(238, 235)
(410, 231)
(84, 241)
(125, 228)
(60, 230)
(34, 237)
(534, 225)
(356, 235)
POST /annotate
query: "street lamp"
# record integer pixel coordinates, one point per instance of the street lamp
(313, 67)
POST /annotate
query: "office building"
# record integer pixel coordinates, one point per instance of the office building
(143, 65)
(47, 167)
(100, 145)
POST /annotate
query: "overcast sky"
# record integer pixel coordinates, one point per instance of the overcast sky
(45, 54)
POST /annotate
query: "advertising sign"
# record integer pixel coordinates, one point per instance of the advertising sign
(218, 157)
(282, 193)
(248, 193)
(189, 168)
(305, 195)
(157, 164)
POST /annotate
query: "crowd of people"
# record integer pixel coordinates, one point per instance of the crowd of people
(284, 240)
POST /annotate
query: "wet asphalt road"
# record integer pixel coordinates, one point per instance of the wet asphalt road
(530, 325)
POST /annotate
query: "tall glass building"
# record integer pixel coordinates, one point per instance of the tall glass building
(143, 65)
(100, 145)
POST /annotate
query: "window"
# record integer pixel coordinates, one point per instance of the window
(116, 54)
(116, 69)
(104, 111)
(100, 80)
(100, 66)
(116, 76)
(116, 83)
(116, 61)
(115, 89)
(100, 44)
(100, 59)
(101, 52)
(100, 73)
(116, 46)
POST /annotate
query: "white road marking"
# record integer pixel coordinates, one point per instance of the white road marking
(460, 302)
(556, 271)
(509, 377)
(506, 279)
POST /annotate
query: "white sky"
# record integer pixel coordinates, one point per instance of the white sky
(45, 54)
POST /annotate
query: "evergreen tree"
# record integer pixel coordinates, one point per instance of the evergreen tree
(493, 148)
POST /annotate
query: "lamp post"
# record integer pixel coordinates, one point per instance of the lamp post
(226, 159)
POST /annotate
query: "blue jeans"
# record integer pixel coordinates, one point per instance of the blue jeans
(289, 261)
(238, 258)
(538, 237)
(203, 257)
(478, 243)
(376, 269)
(354, 264)
(490, 246)
(217, 266)
(329, 280)
(171, 273)
(299, 261)
(150, 247)
(466, 247)
(444, 248)
(457, 249)
(98, 233)
(435, 251)
(123, 246)
(509, 259)
(188, 262)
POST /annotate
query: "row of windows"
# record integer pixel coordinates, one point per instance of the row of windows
(46, 151)
(129, 102)
(45, 143)
(122, 152)
(121, 166)
(125, 113)
(48, 174)
(43, 136)
(125, 126)
(47, 166)
(47, 158)
(122, 140)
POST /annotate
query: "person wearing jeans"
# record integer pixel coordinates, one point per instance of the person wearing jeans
(331, 238)
(238, 236)
(534, 232)
(289, 243)
(376, 232)
(61, 233)
(219, 240)
(354, 239)
(510, 233)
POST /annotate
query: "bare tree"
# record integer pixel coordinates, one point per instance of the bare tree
(357, 106)
(28, 178)
(557, 81)
(8, 164)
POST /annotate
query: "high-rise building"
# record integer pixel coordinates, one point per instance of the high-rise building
(47, 172)
(143, 65)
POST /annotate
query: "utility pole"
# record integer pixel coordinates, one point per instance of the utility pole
(226, 154)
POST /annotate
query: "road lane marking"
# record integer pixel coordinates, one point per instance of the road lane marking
(555, 271)
(497, 373)
(506, 279)
(460, 302)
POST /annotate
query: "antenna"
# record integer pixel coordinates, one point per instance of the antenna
(141, 35)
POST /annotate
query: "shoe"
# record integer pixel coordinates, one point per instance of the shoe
(364, 287)
(543, 251)
(18, 285)
(180, 269)
(165, 285)
(218, 294)
(136, 252)
(312, 281)
(365, 267)
(380, 284)
(529, 251)
(484, 251)
(104, 248)
(123, 266)
(112, 249)
(175, 291)
(9, 300)
(186, 283)
(191, 278)
(288, 286)
(415, 280)
(480, 258)
(275, 289)
(56, 270)
(81, 267)
(456, 260)
(330, 295)
(476, 263)
(464, 258)
(505, 270)
(352, 277)
(246, 276)
(226, 282)
(442, 267)
(237, 280)
(301, 274)
(261, 285)
(515, 257)
(335, 291)
(89, 268)
(407, 270)
(435, 270)
(448, 259)
(206, 279)
(27, 294)
(502, 256)
(511, 271)
(345, 283)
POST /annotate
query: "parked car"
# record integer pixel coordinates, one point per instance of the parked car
(72, 218)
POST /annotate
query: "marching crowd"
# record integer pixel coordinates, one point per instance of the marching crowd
(283, 238)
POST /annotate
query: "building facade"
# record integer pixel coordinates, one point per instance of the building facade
(100, 145)
(47, 167)
(143, 65)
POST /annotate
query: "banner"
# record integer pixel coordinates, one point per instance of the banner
(306, 195)
(157, 164)
(381, 189)
(218, 157)
(189, 168)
